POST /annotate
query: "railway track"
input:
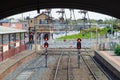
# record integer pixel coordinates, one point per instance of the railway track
(70, 71)
(65, 67)
(25, 71)
(57, 67)
(96, 71)
(29, 70)
(63, 70)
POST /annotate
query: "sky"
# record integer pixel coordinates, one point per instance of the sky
(92, 15)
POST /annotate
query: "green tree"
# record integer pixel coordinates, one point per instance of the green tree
(100, 21)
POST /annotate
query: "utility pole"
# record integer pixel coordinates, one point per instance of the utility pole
(86, 20)
(84, 17)
(49, 20)
(62, 11)
(70, 18)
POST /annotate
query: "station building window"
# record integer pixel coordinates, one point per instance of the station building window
(5, 42)
(12, 37)
(12, 40)
(22, 38)
(5, 39)
(1, 47)
(0, 39)
(17, 36)
(43, 21)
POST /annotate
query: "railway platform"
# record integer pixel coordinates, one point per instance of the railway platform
(10, 64)
(110, 61)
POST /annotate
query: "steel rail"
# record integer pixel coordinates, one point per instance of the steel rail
(34, 70)
(58, 63)
(69, 68)
(13, 78)
(94, 77)
(99, 66)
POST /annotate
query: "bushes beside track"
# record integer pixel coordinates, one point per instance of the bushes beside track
(117, 50)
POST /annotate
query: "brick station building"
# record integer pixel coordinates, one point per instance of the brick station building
(12, 41)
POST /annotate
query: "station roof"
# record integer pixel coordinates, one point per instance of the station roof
(7, 30)
(4, 21)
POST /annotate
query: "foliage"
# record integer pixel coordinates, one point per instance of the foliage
(75, 36)
(100, 21)
(117, 50)
(93, 21)
(86, 33)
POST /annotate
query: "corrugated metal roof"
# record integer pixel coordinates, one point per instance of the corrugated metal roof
(4, 21)
(6, 30)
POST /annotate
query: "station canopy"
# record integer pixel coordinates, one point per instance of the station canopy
(7, 30)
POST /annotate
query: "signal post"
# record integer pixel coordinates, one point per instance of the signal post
(78, 47)
(46, 46)
(31, 39)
